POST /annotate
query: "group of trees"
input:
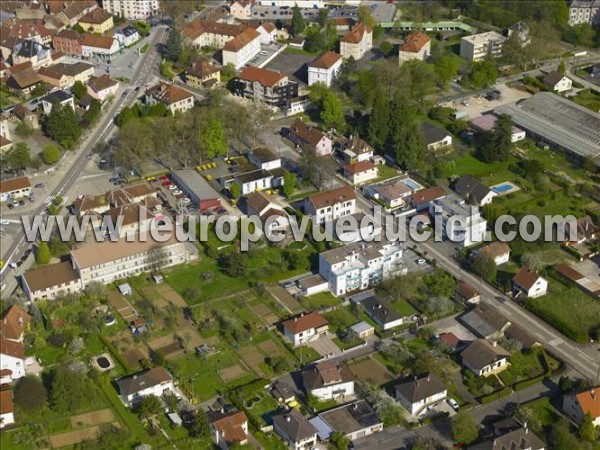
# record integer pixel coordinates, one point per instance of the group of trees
(331, 110)
(496, 145)
(62, 125)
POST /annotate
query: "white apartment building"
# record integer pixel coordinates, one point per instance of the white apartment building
(242, 48)
(132, 9)
(156, 381)
(461, 223)
(331, 205)
(358, 42)
(324, 69)
(479, 46)
(417, 46)
(360, 265)
(584, 11)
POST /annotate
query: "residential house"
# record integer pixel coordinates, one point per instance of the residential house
(305, 328)
(417, 46)
(576, 406)
(31, 51)
(58, 97)
(104, 47)
(467, 294)
(5, 145)
(391, 194)
(450, 341)
(263, 158)
(51, 281)
(474, 191)
(361, 172)
(328, 380)
(436, 138)
(131, 219)
(242, 48)
(324, 69)
(268, 33)
(382, 313)
(64, 76)
(19, 29)
(421, 200)
(313, 284)
(132, 9)
(357, 150)
(418, 394)
(14, 188)
(486, 123)
(255, 180)
(15, 321)
(362, 330)
(175, 98)
(24, 81)
(295, 430)
(331, 205)
(529, 284)
(521, 438)
(485, 321)
(127, 36)
(557, 82)
(297, 105)
(241, 9)
(584, 11)
(265, 87)
(282, 392)
(360, 265)
(480, 46)
(497, 251)
(353, 421)
(133, 388)
(586, 230)
(272, 216)
(522, 32)
(7, 411)
(25, 115)
(202, 73)
(12, 359)
(344, 24)
(229, 429)
(357, 42)
(72, 13)
(462, 223)
(102, 87)
(97, 21)
(68, 42)
(485, 358)
(304, 135)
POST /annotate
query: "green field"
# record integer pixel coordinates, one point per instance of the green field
(319, 301)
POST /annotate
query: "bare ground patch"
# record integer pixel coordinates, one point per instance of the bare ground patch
(171, 295)
(252, 358)
(261, 310)
(155, 297)
(370, 370)
(75, 437)
(92, 418)
(232, 373)
(286, 298)
(122, 306)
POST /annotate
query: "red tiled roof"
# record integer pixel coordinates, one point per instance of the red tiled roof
(14, 321)
(11, 348)
(305, 322)
(14, 184)
(169, 93)
(427, 195)
(307, 133)
(325, 61)
(6, 403)
(97, 17)
(241, 40)
(525, 278)
(415, 42)
(92, 40)
(328, 198)
(231, 427)
(357, 33)
(358, 167)
(263, 76)
(589, 402)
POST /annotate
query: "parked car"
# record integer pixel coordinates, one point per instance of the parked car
(177, 192)
(39, 186)
(421, 261)
(167, 184)
(172, 187)
(4, 222)
(453, 404)
(289, 284)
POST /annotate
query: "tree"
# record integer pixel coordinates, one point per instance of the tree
(234, 264)
(298, 22)
(379, 119)
(406, 135)
(62, 126)
(464, 428)
(496, 145)
(18, 157)
(322, 16)
(332, 111)
(70, 391)
(213, 139)
(581, 34)
(51, 154)
(587, 430)
(297, 260)
(136, 145)
(316, 40)
(386, 48)
(485, 267)
(483, 73)
(562, 67)
(289, 183)
(200, 427)
(173, 45)
(365, 16)
(339, 441)
(30, 394)
(149, 406)
(445, 68)
(235, 190)
(43, 255)
(79, 89)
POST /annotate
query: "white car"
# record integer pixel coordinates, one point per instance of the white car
(186, 200)
(4, 222)
(177, 192)
(421, 261)
(172, 187)
(453, 404)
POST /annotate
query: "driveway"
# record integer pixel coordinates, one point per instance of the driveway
(324, 346)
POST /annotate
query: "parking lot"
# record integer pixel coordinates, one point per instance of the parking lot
(294, 65)
(266, 52)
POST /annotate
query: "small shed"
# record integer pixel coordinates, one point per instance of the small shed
(158, 279)
(125, 289)
(175, 419)
(363, 330)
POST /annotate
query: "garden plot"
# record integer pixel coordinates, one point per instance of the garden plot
(286, 299)
(92, 418)
(371, 370)
(168, 346)
(232, 373)
(261, 310)
(122, 306)
(171, 295)
(253, 358)
(75, 437)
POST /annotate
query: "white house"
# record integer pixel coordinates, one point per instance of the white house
(528, 283)
(477, 47)
(361, 172)
(51, 281)
(392, 193)
(498, 251)
(417, 46)
(295, 430)
(304, 328)
(357, 42)
(127, 35)
(324, 69)
(557, 82)
(58, 97)
(242, 48)
(7, 414)
(354, 420)
(175, 98)
(462, 223)
(331, 205)
(228, 429)
(156, 381)
(14, 188)
(382, 313)
(132, 9)
(255, 180)
(328, 381)
(576, 406)
(436, 138)
(263, 158)
(485, 358)
(268, 33)
(357, 150)
(99, 46)
(12, 358)
(102, 87)
(474, 191)
(270, 213)
(313, 284)
(360, 265)
(419, 393)
(242, 9)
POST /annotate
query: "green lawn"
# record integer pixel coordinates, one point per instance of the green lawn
(341, 319)
(526, 365)
(469, 165)
(299, 51)
(403, 308)
(588, 99)
(306, 354)
(144, 48)
(319, 301)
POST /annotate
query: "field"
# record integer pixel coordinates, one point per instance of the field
(371, 370)
(526, 365)
(319, 301)
(588, 99)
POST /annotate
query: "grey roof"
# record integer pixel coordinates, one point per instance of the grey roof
(194, 182)
(143, 380)
(482, 353)
(420, 389)
(485, 320)
(254, 175)
(280, 389)
(552, 78)
(380, 311)
(30, 48)
(59, 96)
(126, 31)
(559, 121)
(263, 154)
(432, 133)
(521, 439)
(294, 425)
(468, 186)
(351, 418)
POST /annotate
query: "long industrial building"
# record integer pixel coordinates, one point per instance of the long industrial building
(559, 122)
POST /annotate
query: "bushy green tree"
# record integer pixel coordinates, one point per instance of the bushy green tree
(587, 430)
(173, 45)
(485, 267)
(30, 394)
(149, 406)
(213, 139)
(70, 391)
(43, 254)
(51, 154)
(79, 89)
(497, 144)
(464, 428)
(62, 126)
(298, 22)
(18, 157)
(289, 183)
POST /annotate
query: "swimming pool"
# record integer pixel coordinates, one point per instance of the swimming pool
(502, 188)
(412, 184)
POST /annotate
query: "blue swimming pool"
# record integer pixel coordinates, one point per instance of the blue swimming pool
(412, 184)
(503, 188)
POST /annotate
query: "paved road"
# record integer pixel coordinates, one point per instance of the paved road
(103, 130)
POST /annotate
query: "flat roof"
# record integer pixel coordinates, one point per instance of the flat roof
(195, 183)
(484, 37)
(559, 121)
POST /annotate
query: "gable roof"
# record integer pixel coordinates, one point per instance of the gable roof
(466, 291)
(14, 184)
(197, 28)
(485, 320)
(520, 439)
(24, 78)
(467, 186)
(495, 249)
(359, 167)
(427, 195)
(432, 133)
(307, 133)
(50, 275)
(332, 197)
(101, 83)
(11, 348)
(256, 201)
(326, 374)
(94, 40)
(201, 68)
(97, 16)
(230, 427)
(553, 78)
(263, 76)
(294, 425)
(143, 380)
(419, 389)
(325, 61)
(356, 34)
(14, 321)
(169, 93)
(358, 146)
(482, 353)
(69, 34)
(380, 310)
(304, 322)
(59, 70)
(526, 278)
(415, 42)
(241, 40)
(589, 402)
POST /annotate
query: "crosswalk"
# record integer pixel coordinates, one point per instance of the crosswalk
(556, 342)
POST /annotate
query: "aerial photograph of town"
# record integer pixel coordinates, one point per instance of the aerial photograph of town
(300, 224)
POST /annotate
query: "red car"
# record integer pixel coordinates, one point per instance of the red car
(167, 184)
(164, 178)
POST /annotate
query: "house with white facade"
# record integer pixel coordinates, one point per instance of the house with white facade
(417, 394)
(360, 265)
(498, 251)
(557, 82)
(255, 180)
(361, 172)
(529, 284)
(102, 87)
(263, 158)
(382, 313)
(324, 69)
(331, 205)
(478, 47)
(93, 45)
(51, 281)
(485, 358)
(473, 191)
(328, 380)
(436, 138)
(577, 405)
(462, 223)
(417, 46)
(305, 328)
(295, 430)
(12, 359)
(268, 33)
(133, 388)
(58, 97)
(14, 322)
(7, 411)
(304, 135)
(228, 429)
(14, 188)
(392, 193)
(242, 9)
(127, 35)
(354, 421)
(272, 215)
(357, 42)
(242, 48)
(132, 9)
(357, 150)
(175, 98)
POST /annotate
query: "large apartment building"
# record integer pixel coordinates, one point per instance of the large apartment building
(358, 42)
(132, 9)
(265, 87)
(360, 265)
(479, 46)
(462, 223)
(584, 11)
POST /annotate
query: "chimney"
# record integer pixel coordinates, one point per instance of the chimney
(593, 393)
(288, 419)
(494, 343)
